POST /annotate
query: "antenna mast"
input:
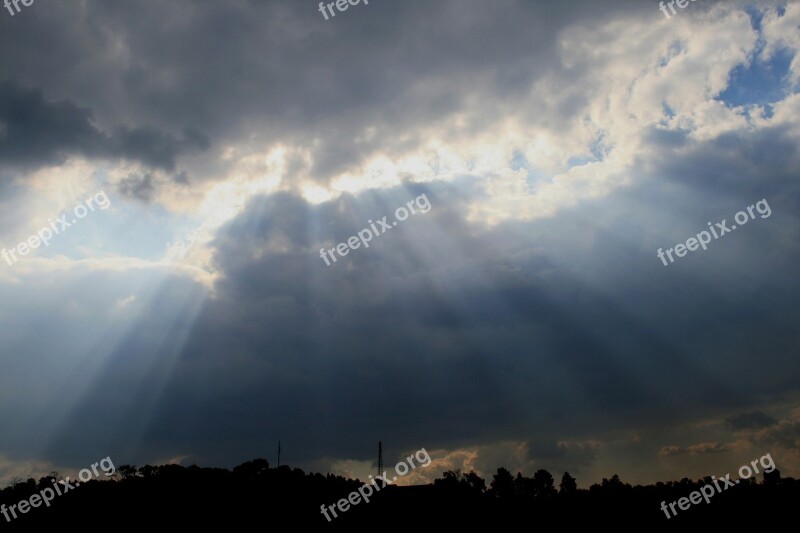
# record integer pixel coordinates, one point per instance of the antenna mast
(380, 458)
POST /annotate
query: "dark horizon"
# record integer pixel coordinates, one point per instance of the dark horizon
(201, 496)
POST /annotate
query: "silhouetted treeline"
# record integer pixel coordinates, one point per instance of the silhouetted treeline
(253, 494)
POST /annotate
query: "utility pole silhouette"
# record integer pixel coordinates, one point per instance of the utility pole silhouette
(279, 453)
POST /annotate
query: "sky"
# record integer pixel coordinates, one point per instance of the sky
(194, 166)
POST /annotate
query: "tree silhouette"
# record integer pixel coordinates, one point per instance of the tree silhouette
(148, 471)
(568, 485)
(502, 484)
(450, 480)
(126, 471)
(523, 487)
(199, 497)
(772, 478)
(474, 482)
(453, 481)
(255, 469)
(543, 484)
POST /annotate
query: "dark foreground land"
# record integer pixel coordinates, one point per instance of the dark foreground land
(255, 494)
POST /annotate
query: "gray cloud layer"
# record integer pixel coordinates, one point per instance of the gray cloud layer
(39, 133)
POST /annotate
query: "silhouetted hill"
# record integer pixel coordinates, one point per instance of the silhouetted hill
(255, 494)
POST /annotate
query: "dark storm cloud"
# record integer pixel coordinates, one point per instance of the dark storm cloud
(786, 433)
(36, 132)
(277, 71)
(153, 147)
(39, 132)
(561, 456)
(696, 449)
(751, 420)
(445, 333)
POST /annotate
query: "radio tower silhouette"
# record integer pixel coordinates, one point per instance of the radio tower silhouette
(380, 458)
